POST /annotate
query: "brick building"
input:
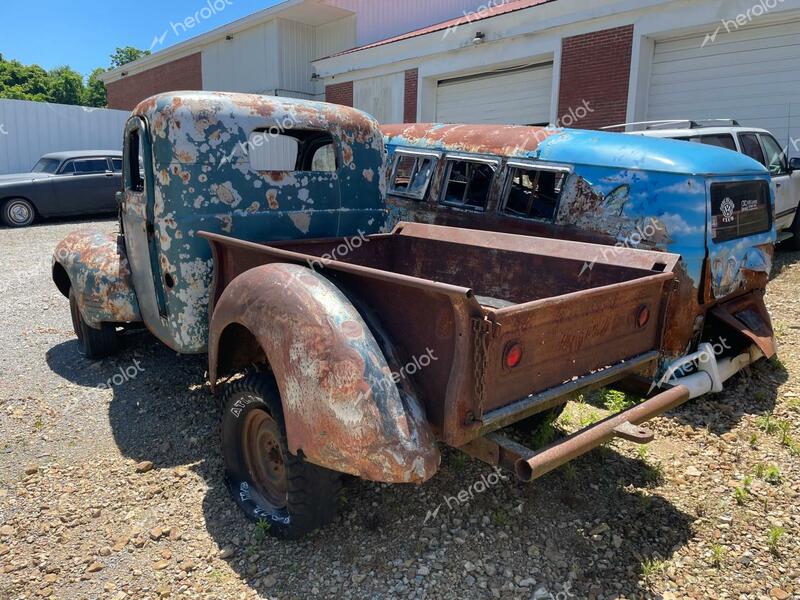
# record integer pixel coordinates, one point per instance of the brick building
(571, 62)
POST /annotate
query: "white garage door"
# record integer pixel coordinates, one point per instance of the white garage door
(518, 97)
(750, 75)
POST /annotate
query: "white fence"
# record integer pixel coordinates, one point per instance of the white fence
(30, 129)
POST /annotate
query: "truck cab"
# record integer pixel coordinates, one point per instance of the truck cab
(256, 167)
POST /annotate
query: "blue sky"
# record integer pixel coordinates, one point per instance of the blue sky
(84, 33)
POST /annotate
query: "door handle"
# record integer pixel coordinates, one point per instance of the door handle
(109, 174)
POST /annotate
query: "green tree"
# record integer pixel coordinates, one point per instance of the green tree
(66, 86)
(95, 92)
(123, 56)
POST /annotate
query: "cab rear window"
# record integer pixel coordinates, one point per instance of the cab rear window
(739, 209)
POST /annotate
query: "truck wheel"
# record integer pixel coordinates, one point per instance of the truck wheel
(793, 243)
(293, 497)
(18, 212)
(94, 343)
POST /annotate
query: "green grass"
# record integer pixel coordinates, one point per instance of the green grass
(651, 568)
(717, 554)
(774, 536)
(262, 527)
(772, 474)
(767, 424)
(754, 441)
(616, 401)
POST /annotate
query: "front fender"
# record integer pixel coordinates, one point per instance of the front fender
(341, 405)
(97, 269)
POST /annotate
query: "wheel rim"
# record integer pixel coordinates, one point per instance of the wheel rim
(19, 212)
(261, 447)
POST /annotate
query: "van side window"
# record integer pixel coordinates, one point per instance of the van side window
(534, 193)
(467, 184)
(751, 147)
(412, 174)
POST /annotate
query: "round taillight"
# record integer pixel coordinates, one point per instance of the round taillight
(643, 316)
(513, 355)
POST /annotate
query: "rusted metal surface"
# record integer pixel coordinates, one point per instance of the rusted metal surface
(748, 316)
(621, 192)
(342, 409)
(423, 286)
(528, 465)
(97, 267)
(504, 140)
(196, 156)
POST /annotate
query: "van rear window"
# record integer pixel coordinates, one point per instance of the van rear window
(739, 209)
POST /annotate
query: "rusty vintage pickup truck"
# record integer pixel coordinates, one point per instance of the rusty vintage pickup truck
(252, 228)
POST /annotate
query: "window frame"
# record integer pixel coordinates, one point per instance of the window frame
(309, 142)
(436, 157)
(450, 158)
(108, 169)
(741, 135)
(784, 158)
(511, 165)
(113, 166)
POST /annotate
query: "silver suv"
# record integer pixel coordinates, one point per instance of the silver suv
(758, 144)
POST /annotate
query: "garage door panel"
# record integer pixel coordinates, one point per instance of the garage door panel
(516, 97)
(725, 40)
(751, 75)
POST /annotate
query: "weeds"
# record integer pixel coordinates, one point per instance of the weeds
(261, 529)
(767, 424)
(652, 567)
(616, 401)
(717, 554)
(774, 536)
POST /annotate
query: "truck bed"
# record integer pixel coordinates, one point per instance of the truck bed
(574, 309)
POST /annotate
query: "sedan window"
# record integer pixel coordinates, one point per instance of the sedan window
(91, 166)
(117, 162)
(752, 148)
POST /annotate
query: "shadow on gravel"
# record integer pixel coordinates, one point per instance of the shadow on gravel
(161, 410)
(585, 528)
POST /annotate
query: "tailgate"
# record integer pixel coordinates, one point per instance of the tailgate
(570, 336)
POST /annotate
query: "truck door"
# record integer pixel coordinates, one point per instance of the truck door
(141, 243)
(787, 184)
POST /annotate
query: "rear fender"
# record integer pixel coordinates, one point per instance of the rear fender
(95, 266)
(341, 406)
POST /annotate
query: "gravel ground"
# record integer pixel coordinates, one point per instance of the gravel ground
(117, 492)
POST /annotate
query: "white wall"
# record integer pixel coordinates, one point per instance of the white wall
(381, 19)
(248, 63)
(382, 97)
(30, 129)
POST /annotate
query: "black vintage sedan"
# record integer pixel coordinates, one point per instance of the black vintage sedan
(79, 182)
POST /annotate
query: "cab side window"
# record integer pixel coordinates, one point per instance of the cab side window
(533, 193)
(467, 183)
(134, 179)
(751, 147)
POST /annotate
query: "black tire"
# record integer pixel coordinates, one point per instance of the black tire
(793, 243)
(270, 485)
(18, 212)
(93, 344)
